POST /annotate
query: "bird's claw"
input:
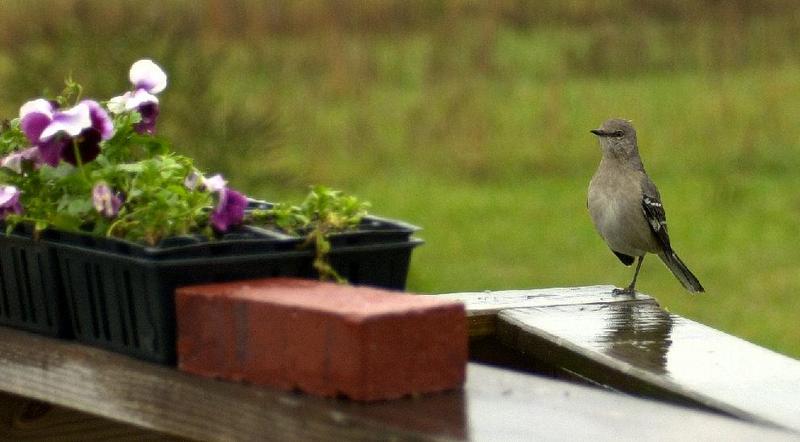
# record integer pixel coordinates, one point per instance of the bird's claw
(627, 291)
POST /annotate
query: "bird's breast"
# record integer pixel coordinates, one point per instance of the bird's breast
(614, 204)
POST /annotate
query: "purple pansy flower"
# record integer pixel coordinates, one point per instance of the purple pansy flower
(230, 204)
(229, 210)
(9, 201)
(106, 202)
(15, 160)
(53, 130)
(148, 79)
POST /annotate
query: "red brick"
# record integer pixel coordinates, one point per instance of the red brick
(322, 338)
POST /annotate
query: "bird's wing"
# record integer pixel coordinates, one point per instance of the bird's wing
(654, 213)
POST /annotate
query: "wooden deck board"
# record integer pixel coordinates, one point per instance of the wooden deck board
(495, 404)
(23, 419)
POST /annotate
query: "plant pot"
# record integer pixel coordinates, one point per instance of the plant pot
(120, 295)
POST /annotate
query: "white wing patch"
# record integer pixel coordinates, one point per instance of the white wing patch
(655, 223)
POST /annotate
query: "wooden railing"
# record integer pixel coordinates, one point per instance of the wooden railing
(631, 344)
(738, 391)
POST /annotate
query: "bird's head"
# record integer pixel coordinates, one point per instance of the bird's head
(617, 138)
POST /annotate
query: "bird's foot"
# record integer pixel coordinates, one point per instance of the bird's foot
(627, 291)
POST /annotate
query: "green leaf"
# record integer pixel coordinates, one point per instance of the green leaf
(79, 207)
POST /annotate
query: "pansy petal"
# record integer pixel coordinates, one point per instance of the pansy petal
(35, 116)
(72, 121)
(138, 98)
(100, 119)
(88, 146)
(192, 180)
(15, 160)
(12, 161)
(50, 151)
(34, 123)
(31, 153)
(215, 184)
(117, 105)
(9, 201)
(149, 113)
(149, 76)
(9, 195)
(39, 106)
(229, 211)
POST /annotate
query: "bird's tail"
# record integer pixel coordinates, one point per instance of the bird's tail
(679, 269)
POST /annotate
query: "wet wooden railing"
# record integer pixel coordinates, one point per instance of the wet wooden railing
(631, 344)
(56, 389)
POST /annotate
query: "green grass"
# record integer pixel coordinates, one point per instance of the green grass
(472, 122)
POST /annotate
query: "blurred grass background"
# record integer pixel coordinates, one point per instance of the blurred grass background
(471, 119)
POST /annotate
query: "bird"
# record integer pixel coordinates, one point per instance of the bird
(626, 208)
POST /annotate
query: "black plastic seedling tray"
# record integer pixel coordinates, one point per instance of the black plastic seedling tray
(30, 289)
(120, 295)
(373, 229)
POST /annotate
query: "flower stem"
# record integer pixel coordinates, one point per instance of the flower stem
(110, 231)
(79, 93)
(79, 161)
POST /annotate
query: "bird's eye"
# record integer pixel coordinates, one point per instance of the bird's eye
(617, 133)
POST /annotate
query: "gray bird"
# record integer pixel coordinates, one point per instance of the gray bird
(626, 208)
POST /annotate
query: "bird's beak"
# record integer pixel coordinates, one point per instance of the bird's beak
(599, 132)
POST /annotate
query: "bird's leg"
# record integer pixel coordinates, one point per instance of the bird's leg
(631, 289)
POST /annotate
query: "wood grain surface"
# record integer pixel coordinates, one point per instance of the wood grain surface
(638, 347)
(495, 404)
(23, 419)
(483, 307)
